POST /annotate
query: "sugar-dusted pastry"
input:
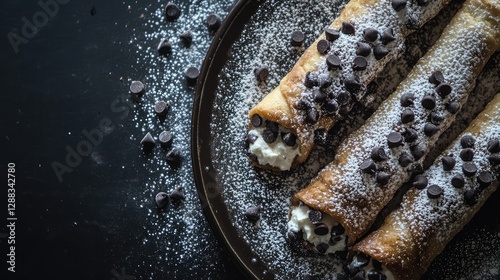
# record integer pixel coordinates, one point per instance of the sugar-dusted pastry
(343, 201)
(458, 184)
(331, 74)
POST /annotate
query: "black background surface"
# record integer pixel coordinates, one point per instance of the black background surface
(59, 83)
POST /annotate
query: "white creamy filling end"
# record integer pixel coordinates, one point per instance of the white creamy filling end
(300, 222)
(276, 154)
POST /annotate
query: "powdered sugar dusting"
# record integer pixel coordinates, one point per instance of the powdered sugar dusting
(457, 57)
(265, 41)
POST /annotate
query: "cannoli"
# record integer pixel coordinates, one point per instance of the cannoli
(331, 74)
(458, 184)
(343, 201)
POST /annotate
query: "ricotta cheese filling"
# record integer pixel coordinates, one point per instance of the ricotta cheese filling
(321, 230)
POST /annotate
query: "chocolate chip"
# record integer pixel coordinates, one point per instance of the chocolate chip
(324, 82)
(470, 197)
(407, 99)
(467, 141)
(375, 275)
(297, 38)
(334, 239)
(407, 116)
(332, 34)
(174, 157)
(363, 49)
(453, 107)
(467, 154)
(359, 63)
(315, 216)
(377, 265)
(273, 126)
(494, 159)
(330, 106)
(378, 154)
(370, 34)
(436, 118)
(422, 2)
(253, 157)
(398, 5)
(420, 182)
(269, 136)
(347, 28)
(436, 78)
(294, 235)
(148, 142)
(429, 102)
(417, 151)
(382, 178)
(319, 96)
(484, 178)
(337, 230)
(405, 159)
(380, 51)
(165, 47)
(321, 229)
(430, 129)
(161, 200)
(448, 163)
(333, 62)
(434, 191)
(458, 181)
(444, 89)
(323, 46)
(352, 84)
(311, 80)
(256, 120)
(305, 103)
(177, 194)
(322, 247)
(343, 98)
(186, 38)
(213, 22)
(261, 73)
(362, 259)
(387, 36)
(289, 139)
(166, 139)
(469, 169)
(312, 116)
(410, 135)
(253, 213)
(394, 139)
(137, 89)
(161, 108)
(172, 11)
(493, 146)
(191, 75)
(368, 166)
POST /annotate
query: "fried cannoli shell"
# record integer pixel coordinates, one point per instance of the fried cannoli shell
(413, 235)
(280, 104)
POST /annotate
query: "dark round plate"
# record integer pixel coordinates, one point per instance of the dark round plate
(255, 33)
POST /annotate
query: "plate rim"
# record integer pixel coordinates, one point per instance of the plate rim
(216, 57)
